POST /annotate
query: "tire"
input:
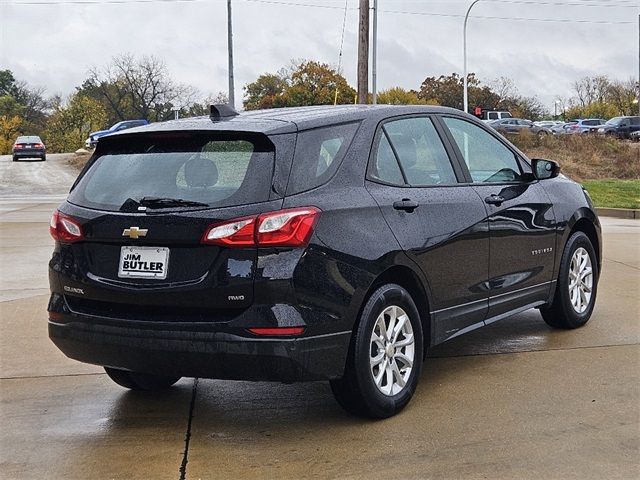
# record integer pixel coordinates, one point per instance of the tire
(44, 158)
(563, 313)
(15, 159)
(140, 381)
(357, 391)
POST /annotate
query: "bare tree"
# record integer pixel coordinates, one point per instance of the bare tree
(139, 87)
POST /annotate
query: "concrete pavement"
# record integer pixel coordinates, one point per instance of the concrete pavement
(513, 400)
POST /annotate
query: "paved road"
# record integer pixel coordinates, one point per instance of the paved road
(513, 400)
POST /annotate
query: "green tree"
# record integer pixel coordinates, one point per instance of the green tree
(70, 125)
(400, 96)
(265, 92)
(315, 83)
(19, 99)
(304, 83)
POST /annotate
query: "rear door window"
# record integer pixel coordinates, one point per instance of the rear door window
(410, 151)
(318, 155)
(184, 170)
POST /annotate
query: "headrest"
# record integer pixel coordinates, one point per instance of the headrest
(200, 172)
(406, 149)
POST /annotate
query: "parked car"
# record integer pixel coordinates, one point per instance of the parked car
(621, 127)
(515, 126)
(312, 243)
(94, 136)
(561, 128)
(548, 123)
(586, 125)
(30, 146)
(491, 115)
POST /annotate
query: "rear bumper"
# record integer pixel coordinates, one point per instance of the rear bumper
(29, 153)
(201, 353)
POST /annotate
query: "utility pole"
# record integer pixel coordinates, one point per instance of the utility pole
(232, 100)
(363, 52)
(374, 59)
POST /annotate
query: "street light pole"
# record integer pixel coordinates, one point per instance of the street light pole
(232, 100)
(464, 54)
(374, 59)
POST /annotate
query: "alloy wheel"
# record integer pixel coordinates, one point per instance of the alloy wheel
(580, 280)
(392, 350)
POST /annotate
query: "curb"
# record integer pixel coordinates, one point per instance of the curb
(629, 213)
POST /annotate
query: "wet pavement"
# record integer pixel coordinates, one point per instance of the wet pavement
(513, 400)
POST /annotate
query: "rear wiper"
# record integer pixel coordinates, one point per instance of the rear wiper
(167, 202)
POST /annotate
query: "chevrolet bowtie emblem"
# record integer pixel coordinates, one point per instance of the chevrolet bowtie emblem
(134, 232)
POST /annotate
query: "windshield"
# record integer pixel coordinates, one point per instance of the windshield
(184, 170)
(614, 121)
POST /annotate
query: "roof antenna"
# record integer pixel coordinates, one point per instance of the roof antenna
(221, 112)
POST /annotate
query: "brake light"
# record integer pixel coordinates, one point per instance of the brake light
(284, 228)
(39, 145)
(18, 146)
(277, 331)
(64, 228)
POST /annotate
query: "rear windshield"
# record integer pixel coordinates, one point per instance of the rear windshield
(177, 171)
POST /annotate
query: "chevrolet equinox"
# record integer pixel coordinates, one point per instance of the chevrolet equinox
(312, 243)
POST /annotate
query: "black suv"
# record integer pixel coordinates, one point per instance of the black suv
(315, 243)
(621, 127)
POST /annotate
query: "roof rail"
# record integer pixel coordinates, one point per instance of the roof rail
(221, 111)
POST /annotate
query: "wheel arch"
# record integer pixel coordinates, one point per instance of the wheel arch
(413, 282)
(591, 228)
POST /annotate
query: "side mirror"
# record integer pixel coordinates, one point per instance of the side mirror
(543, 169)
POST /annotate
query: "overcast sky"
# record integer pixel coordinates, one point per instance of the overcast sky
(53, 44)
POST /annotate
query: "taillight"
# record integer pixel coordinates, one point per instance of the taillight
(284, 228)
(235, 233)
(64, 228)
(18, 146)
(39, 145)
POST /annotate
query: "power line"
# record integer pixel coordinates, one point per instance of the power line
(335, 7)
(565, 4)
(344, 23)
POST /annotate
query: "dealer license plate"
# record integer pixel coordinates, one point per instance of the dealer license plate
(144, 262)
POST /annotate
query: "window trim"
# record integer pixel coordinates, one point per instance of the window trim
(451, 154)
(469, 180)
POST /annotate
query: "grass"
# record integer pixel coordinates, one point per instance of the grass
(614, 193)
(585, 157)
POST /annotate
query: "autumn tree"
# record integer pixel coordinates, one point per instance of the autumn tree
(17, 99)
(266, 91)
(70, 124)
(9, 130)
(303, 83)
(601, 97)
(399, 96)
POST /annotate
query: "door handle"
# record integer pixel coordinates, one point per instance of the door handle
(406, 205)
(494, 199)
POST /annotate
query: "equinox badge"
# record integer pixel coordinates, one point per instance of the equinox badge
(134, 232)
